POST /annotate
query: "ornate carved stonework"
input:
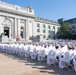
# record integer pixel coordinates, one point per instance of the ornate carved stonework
(6, 22)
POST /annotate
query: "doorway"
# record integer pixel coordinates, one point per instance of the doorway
(21, 33)
(6, 31)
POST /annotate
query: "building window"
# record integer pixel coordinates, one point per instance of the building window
(54, 27)
(43, 26)
(73, 26)
(38, 30)
(48, 31)
(73, 31)
(49, 27)
(44, 36)
(53, 32)
(21, 27)
(30, 9)
(38, 25)
(58, 28)
(43, 31)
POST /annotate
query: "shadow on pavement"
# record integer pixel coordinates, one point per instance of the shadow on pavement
(41, 66)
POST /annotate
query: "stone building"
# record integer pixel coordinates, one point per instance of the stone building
(22, 22)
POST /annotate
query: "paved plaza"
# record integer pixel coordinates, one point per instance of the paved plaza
(13, 65)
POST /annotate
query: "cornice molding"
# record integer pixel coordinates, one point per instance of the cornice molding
(16, 12)
(47, 22)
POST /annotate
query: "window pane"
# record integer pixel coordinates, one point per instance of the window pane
(48, 26)
(58, 28)
(44, 36)
(43, 31)
(38, 25)
(43, 26)
(73, 31)
(48, 31)
(53, 27)
(38, 30)
(73, 27)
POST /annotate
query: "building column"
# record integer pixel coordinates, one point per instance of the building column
(18, 27)
(15, 30)
(26, 29)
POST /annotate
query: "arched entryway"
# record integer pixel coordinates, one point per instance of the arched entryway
(7, 27)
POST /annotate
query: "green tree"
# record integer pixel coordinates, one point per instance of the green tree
(65, 31)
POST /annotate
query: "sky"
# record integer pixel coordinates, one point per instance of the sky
(49, 9)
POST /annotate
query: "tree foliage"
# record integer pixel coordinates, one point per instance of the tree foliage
(65, 31)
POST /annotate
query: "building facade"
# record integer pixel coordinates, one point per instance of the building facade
(22, 22)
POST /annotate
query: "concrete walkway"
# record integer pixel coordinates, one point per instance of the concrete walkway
(13, 65)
